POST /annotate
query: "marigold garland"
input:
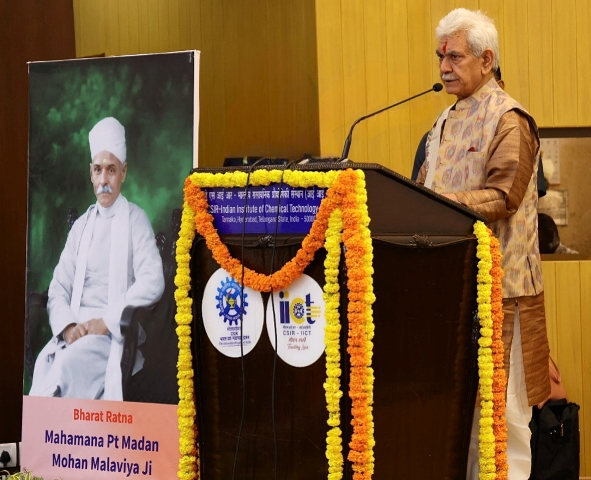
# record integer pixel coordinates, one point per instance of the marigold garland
(343, 210)
(492, 437)
(332, 330)
(346, 189)
(188, 469)
(293, 269)
(359, 261)
(498, 351)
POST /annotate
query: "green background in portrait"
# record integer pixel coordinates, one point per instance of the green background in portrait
(153, 97)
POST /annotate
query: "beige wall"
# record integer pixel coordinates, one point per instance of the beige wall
(567, 287)
(373, 53)
(288, 77)
(258, 65)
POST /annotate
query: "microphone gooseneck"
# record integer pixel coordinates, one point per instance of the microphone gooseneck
(436, 88)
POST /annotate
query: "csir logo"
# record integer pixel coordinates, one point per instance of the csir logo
(229, 301)
(298, 310)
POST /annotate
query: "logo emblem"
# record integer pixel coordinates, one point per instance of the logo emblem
(233, 319)
(298, 310)
(295, 320)
(231, 303)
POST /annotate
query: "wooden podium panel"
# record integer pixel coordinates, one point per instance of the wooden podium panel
(300, 411)
(424, 352)
(424, 358)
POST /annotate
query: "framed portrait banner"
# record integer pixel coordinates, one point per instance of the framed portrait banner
(111, 141)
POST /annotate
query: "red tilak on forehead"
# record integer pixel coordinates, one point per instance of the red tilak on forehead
(444, 48)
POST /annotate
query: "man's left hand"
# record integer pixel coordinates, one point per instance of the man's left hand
(96, 326)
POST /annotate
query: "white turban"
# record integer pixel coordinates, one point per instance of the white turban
(108, 135)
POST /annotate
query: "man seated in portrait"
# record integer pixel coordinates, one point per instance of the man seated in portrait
(109, 266)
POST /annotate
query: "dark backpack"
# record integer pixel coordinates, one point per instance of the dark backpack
(555, 441)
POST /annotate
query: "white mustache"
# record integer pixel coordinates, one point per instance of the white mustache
(446, 77)
(104, 189)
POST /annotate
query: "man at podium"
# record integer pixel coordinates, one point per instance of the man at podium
(481, 153)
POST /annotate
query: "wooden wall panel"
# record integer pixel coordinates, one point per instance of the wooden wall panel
(331, 98)
(384, 60)
(542, 44)
(494, 9)
(29, 31)
(278, 59)
(376, 73)
(339, 60)
(540, 37)
(585, 425)
(567, 288)
(564, 60)
(124, 35)
(363, 60)
(515, 64)
(143, 31)
(354, 69)
(305, 111)
(111, 28)
(213, 83)
(174, 32)
(583, 70)
(422, 74)
(569, 353)
(398, 77)
(259, 80)
(526, 27)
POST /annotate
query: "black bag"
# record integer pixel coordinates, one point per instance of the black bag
(555, 441)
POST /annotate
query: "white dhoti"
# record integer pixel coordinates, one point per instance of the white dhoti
(75, 371)
(518, 415)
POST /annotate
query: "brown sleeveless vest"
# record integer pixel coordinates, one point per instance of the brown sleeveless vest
(461, 166)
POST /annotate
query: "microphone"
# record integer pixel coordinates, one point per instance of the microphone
(436, 88)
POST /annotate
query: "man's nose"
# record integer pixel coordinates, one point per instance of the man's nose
(445, 65)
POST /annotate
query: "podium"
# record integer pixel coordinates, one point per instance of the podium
(425, 350)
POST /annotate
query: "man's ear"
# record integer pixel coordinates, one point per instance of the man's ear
(123, 172)
(91, 172)
(488, 58)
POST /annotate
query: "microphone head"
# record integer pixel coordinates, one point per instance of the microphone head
(437, 87)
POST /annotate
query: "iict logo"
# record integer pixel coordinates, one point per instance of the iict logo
(298, 310)
(297, 331)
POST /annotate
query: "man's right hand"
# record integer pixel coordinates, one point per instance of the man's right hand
(74, 332)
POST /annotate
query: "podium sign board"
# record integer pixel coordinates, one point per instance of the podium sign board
(425, 349)
(294, 211)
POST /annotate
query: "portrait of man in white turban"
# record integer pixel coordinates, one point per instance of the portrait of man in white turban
(109, 265)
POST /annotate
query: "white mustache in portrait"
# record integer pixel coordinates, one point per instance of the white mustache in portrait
(104, 189)
(447, 77)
